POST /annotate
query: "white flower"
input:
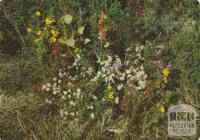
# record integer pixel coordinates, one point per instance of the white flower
(91, 107)
(54, 85)
(66, 113)
(69, 90)
(92, 115)
(119, 87)
(47, 89)
(128, 71)
(117, 100)
(65, 92)
(48, 85)
(78, 90)
(72, 103)
(69, 96)
(44, 87)
(59, 81)
(72, 114)
(94, 97)
(54, 79)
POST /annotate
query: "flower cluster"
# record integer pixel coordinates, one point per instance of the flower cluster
(165, 75)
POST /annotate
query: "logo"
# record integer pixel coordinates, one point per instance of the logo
(182, 120)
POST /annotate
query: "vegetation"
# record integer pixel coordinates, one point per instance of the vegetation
(88, 69)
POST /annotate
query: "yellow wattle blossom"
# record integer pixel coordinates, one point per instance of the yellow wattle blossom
(49, 21)
(162, 109)
(53, 40)
(37, 13)
(110, 96)
(39, 33)
(54, 33)
(29, 29)
(166, 72)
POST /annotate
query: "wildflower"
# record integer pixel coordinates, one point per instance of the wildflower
(37, 13)
(54, 33)
(49, 21)
(37, 40)
(166, 72)
(52, 40)
(65, 92)
(29, 30)
(44, 87)
(47, 89)
(92, 115)
(87, 40)
(102, 15)
(162, 109)
(117, 100)
(101, 28)
(165, 80)
(81, 30)
(54, 79)
(119, 87)
(59, 81)
(106, 45)
(109, 87)
(110, 96)
(72, 114)
(39, 33)
(68, 19)
(94, 97)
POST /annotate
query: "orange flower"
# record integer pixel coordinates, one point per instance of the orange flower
(102, 31)
(101, 28)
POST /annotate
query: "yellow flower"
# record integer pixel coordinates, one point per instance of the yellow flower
(37, 40)
(166, 72)
(37, 13)
(162, 109)
(29, 29)
(109, 87)
(53, 40)
(102, 15)
(87, 40)
(54, 33)
(165, 80)
(110, 96)
(39, 33)
(49, 21)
